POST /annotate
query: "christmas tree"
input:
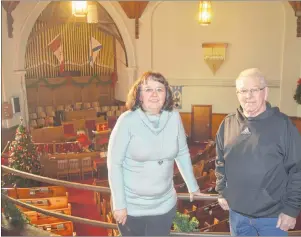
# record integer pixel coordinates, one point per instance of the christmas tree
(23, 157)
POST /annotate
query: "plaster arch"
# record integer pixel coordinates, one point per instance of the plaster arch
(41, 5)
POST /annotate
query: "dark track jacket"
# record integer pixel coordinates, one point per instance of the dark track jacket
(258, 164)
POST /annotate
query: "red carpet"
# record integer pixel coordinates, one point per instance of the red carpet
(82, 205)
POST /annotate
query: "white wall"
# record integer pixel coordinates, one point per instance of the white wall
(291, 64)
(260, 34)
(245, 26)
(122, 84)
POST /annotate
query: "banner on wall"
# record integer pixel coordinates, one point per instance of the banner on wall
(57, 48)
(177, 96)
(94, 49)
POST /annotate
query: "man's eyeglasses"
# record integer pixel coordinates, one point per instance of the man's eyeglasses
(151, 90)
(254, 91)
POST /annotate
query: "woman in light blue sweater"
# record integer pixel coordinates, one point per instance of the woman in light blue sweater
(143, 146)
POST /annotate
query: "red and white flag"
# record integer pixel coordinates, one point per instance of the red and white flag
(57, 47)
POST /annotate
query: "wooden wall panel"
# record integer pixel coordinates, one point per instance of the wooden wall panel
(201, 118)
(90, 93)
(45, 96)
(217, 119)
(77, 94)
(70, 94)
(186, 120)
(215, 123)
(32, 98)
(63, 95)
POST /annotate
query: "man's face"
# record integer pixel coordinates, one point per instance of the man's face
(251, 95)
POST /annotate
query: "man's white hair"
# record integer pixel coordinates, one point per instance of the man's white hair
(253, 73)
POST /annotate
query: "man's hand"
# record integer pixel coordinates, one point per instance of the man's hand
(286, 222)
(120, 215)
(223, 203)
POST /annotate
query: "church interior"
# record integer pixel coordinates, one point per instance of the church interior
(67, 67)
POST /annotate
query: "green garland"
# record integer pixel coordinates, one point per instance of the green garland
(17, 218)
(183, 223)
(67, 80)
(297, 96)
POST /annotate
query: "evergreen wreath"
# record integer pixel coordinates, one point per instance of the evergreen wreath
(297, 95)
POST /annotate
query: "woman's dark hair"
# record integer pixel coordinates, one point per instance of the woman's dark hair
(133, 98)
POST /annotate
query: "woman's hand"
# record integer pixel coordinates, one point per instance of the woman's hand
(120, 215)
(196, 193)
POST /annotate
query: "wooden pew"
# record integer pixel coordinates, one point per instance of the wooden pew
(221, 226)
(41, 219)
(64, 228)
(36, 192)
(49, 203)
(110, 219)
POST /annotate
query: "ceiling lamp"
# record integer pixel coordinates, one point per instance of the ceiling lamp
(79, 8)
(205, 13)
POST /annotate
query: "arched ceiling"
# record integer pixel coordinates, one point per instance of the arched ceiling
(133, 9)
(59, 12)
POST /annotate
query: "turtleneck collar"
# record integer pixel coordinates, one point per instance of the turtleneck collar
(267, 113)
(156, 123)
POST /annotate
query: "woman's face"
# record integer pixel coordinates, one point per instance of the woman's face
(152, 96)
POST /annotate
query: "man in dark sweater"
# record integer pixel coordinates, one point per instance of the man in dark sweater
(258, 163)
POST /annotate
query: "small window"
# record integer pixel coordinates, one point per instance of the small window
(16, 104)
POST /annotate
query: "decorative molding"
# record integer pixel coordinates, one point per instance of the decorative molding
(223, 82)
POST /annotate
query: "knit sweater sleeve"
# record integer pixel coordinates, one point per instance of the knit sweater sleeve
(118, 143)
(183, 159)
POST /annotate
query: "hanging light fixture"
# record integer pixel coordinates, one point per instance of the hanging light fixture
(205, 12)
(79, 8)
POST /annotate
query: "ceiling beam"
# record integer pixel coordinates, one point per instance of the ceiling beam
(296, 5)
(134, 10)
(9, 6)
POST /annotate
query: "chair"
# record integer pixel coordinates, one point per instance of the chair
(41, 122)
(111, 113)
(69, 132)
(33, 116)
(97, 109)
(74, 167)
(87, 105)
(50, 113)
(114, 108)
(95, 104)
(122, 108)
(60, 108)
(104, 108)
(49, 108)
(112, 121)
(39, 109)
(62, 169)
(42, 114)
(78, 106)
(33, 124)
(86, 166)
(118, 113)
